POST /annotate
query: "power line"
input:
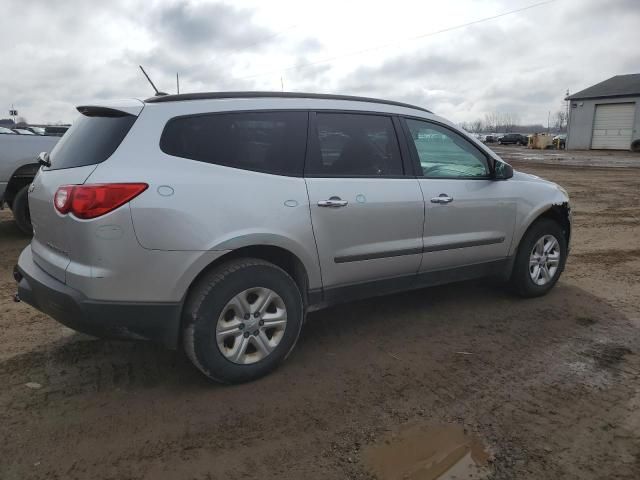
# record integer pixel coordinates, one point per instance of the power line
(417, 37)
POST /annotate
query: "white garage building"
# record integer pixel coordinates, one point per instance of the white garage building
(606, 115)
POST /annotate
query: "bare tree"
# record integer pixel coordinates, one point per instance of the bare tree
(491, 121)
(560, 120)
(509, 121)
(476, 126)
(501, 122)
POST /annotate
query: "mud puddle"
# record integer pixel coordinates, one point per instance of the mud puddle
(428, 452)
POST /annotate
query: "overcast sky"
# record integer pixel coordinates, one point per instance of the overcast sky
(57, 54)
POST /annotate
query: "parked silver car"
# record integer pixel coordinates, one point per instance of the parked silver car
(217, 221)
(18, 166)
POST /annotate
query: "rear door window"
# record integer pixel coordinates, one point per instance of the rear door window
(353, 144)
(92, 139)
(271, 142)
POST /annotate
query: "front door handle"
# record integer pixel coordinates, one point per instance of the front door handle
(443, 198)
(333, 202)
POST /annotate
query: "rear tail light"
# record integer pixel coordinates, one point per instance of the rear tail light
(91, 201)
(62, 199)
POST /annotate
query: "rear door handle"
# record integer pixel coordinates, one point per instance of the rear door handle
(443, 198)
(333, 202)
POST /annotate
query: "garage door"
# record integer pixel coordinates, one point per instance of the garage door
(613, 126)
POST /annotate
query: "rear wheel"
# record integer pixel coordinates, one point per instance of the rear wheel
(241, 320)
(540, 260)
(20, 209)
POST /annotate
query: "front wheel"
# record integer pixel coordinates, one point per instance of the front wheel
(241, 320)
(540, 260)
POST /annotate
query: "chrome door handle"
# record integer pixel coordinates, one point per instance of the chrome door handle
(333, 202)
(443, 198)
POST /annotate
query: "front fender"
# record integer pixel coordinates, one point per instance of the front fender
(555, 199)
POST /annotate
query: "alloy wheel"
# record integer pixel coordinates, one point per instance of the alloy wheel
(544, 260)
(251, 325)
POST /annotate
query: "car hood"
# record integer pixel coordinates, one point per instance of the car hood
(527, 177)
(545, 184)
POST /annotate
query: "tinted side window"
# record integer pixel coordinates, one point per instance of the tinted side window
(272, 142)
(91, 140)
(354, 145)
(444, 153)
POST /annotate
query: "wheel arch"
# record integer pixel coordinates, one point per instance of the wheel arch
(558, 212)
(279, 256)
(23, 176)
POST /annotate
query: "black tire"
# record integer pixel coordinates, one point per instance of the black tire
(206, 302)
(521, 279)
(20, 209)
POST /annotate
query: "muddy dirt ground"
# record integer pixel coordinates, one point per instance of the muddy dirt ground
(550, 385)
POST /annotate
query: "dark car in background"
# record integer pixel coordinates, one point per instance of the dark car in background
(513, 139)
(560, 141)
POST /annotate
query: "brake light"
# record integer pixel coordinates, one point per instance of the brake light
(91, 201)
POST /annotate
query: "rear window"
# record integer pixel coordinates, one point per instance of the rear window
(91, 140)
(271, 142)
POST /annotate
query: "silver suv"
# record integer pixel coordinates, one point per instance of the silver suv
(217, 221)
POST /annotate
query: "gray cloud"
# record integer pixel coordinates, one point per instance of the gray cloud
(218, 27)
(430, 71)
(62, 53)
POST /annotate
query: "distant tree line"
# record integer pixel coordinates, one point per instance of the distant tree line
(501, 122)
(9, 123)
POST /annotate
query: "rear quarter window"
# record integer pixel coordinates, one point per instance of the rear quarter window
(271, 142)
(91, 139)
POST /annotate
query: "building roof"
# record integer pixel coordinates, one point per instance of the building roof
(618, 86)
(217, 95)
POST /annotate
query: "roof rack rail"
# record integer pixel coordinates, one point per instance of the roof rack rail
(218, 95)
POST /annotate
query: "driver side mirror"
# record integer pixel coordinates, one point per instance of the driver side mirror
(502, 171)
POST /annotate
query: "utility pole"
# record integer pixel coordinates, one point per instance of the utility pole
(549, 122)
(177, 83)
(13, 113)
(567, 108)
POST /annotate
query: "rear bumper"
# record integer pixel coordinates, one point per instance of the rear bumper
(157, 322)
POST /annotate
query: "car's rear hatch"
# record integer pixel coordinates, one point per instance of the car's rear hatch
(93, 138)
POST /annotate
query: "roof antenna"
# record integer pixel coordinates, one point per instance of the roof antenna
(158, 93)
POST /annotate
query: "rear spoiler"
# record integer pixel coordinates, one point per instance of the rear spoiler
(113, 108)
